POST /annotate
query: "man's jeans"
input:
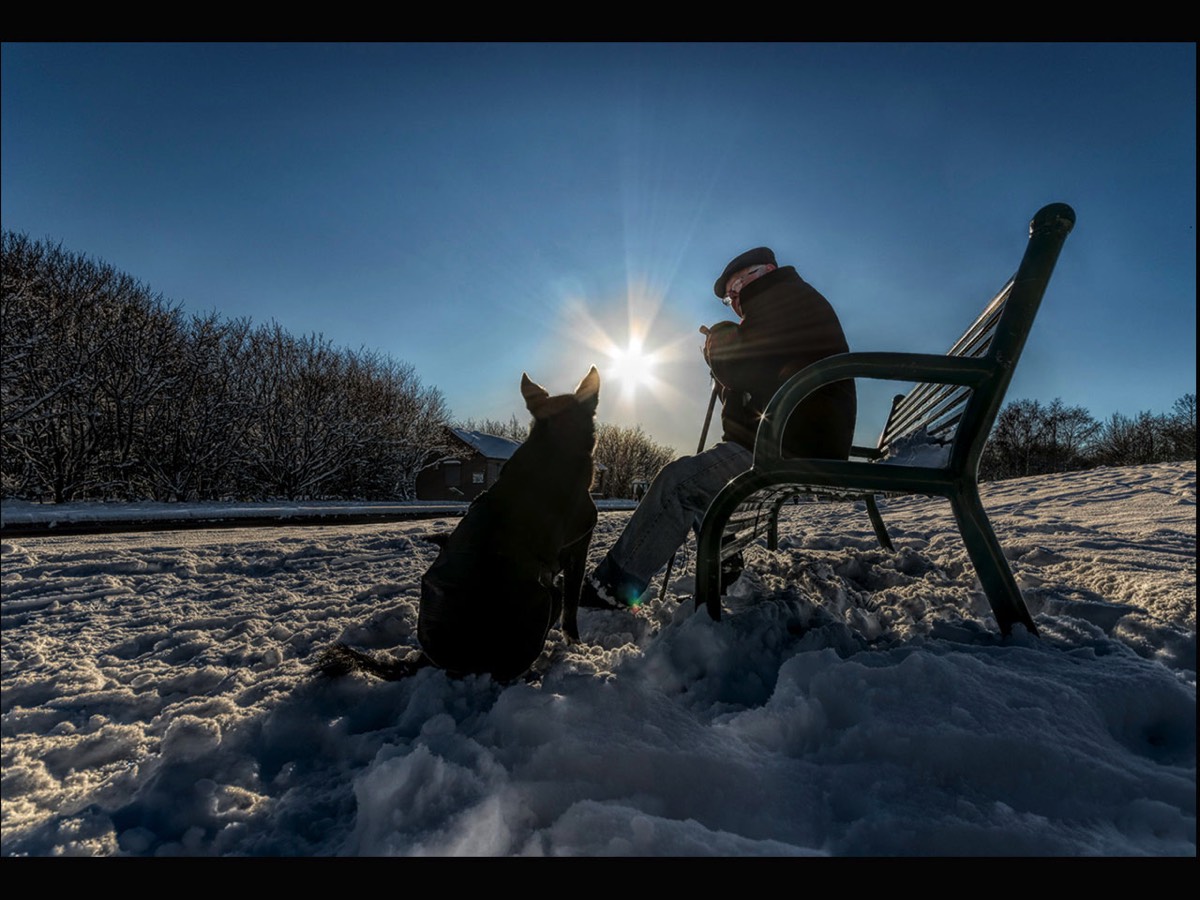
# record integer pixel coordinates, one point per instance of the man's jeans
(674, 504)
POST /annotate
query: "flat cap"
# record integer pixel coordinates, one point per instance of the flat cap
(759, 256)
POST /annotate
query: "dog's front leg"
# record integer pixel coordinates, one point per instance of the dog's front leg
(574, 561)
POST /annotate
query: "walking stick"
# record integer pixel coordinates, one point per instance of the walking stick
(712, 402)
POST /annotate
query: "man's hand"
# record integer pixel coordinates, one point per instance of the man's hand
(718, 334)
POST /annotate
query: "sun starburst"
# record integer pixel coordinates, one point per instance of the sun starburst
(633, 366)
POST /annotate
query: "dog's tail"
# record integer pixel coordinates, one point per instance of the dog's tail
(339, 660)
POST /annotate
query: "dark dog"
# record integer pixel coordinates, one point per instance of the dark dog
(516, 561)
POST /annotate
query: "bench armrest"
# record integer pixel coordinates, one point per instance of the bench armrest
(916, 367)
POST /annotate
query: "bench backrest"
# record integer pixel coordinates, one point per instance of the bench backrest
(998, 336)
(938, 407)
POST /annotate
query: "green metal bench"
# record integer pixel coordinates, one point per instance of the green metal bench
(955, 402)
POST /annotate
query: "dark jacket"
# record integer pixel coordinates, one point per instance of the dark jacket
(786, 325)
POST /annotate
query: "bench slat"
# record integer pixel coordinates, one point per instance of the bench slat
(984, 324)
(932, 410)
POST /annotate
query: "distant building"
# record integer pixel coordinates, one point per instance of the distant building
(473, 466)
(467, 471)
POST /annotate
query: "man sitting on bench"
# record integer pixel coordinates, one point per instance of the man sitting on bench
(786, 324)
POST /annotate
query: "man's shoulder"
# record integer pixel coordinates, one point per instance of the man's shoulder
(790, 297)
(784, 282)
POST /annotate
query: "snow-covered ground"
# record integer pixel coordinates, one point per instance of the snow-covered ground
(158, 696)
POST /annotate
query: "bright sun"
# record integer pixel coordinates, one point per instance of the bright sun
(637, 365)
(633, 366)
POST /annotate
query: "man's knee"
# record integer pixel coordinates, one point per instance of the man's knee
(670, 475)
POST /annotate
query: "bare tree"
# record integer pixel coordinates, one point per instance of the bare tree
(1013, 446)
(628, 455)
(82, 345)
(1181, 427)
(1067, 436)
(295, 443)
(197, 434)
(1126, 441)
(51, 413)
(135, 376)
(402, 423)
(418, 430)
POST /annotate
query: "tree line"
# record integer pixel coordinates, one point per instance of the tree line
(108, 391)
(1031, 438)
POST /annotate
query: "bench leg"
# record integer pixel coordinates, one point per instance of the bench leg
(773, 522)
(877, 523)
(708, 563)
(1008, 605)
(708, 544)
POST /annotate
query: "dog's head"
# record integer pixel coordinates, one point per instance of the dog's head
(571, 418)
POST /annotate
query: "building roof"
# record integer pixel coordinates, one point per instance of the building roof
(488, 445)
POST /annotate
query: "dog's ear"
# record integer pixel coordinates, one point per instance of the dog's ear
(589, 389)
(535, 395)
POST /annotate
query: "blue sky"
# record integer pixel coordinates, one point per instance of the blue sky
(481, 210)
